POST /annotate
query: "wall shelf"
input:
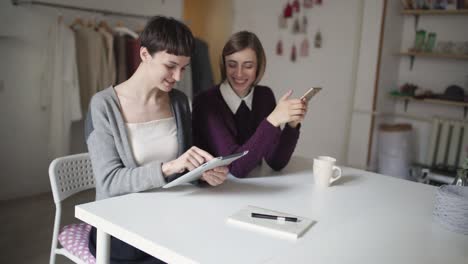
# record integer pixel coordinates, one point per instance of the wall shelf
(423, 12)
(413, 55)
(435, 55)
(434, 12)
(408, 99)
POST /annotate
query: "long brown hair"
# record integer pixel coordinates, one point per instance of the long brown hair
(240, 41)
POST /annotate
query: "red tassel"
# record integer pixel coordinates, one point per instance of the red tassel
(296, 6)
(279, 48)
(308, 3)
(287, 11)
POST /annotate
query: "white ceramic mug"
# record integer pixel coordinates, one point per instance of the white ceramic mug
(325, 171)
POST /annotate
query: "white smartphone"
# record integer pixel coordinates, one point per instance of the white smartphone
(311, 93)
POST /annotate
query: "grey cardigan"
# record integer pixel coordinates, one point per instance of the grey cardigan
(115, 169)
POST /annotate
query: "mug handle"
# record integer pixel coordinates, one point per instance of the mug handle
(335, 176)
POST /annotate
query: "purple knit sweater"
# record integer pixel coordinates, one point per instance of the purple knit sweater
(214, 130)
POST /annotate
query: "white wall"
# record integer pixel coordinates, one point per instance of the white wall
(389, 69)
(325, 130)
(366, 74)
(23, 35)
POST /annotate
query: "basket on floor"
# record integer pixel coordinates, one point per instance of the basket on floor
(451, 208)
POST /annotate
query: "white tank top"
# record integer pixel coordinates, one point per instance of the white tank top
(153, 140)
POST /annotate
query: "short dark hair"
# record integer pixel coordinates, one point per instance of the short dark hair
(240, 41)
(167, 34)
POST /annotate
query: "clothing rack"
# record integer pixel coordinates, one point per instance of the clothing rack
(92, 10)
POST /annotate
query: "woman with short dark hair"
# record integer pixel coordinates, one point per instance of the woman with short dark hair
(238, 114)
(139, 132)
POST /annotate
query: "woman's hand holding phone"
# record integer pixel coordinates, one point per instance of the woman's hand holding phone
(306, 98)
(310, 93)
(291, 111)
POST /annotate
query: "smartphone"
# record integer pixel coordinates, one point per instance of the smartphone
(311, 93)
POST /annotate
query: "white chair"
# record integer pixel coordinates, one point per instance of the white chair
(70, 175)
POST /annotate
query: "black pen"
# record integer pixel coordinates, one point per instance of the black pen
(275, 217)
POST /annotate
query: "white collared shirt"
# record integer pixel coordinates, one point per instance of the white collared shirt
(232, 99)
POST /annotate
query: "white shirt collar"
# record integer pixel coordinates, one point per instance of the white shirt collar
(232, 99)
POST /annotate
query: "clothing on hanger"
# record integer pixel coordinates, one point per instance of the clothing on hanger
(185, 83)
(126, 31)
(91, 59)
(133, 55)
(77, 22)
(120, 53)
(60, 93)
(202, 75)
(110, 67)
(103, 25)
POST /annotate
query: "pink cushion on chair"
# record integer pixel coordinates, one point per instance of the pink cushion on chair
(74, 238)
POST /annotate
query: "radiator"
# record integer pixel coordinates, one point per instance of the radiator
(448, 143)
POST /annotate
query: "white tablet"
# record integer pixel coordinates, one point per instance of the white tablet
(197, 173)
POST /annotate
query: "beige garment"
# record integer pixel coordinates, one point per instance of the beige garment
(91, 60)
(110, 58)
(153, 140)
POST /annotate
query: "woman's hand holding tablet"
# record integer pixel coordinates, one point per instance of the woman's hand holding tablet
(197, 173)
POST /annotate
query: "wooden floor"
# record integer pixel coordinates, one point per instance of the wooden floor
(26, 227)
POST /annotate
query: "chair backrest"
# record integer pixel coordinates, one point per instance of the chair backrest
(70, 175)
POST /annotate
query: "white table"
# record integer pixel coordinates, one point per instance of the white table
(364, 218)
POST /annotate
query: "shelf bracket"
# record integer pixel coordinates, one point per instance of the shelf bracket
(406, 102)
(416, 22)
(465, 111)
(412, 58)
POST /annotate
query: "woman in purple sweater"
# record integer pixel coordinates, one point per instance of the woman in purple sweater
(239, 114)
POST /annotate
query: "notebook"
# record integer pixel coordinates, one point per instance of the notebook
(283, 229)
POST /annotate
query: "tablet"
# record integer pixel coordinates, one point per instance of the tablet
(198, 172)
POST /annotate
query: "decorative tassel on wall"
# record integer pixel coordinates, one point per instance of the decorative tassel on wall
(296, 6)
(308, 3)
(296, 26)
(304, 52)
(304, 25)
(282, 22)
(293, 53)
(318, 40)
(287, 12)
(279, 48)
